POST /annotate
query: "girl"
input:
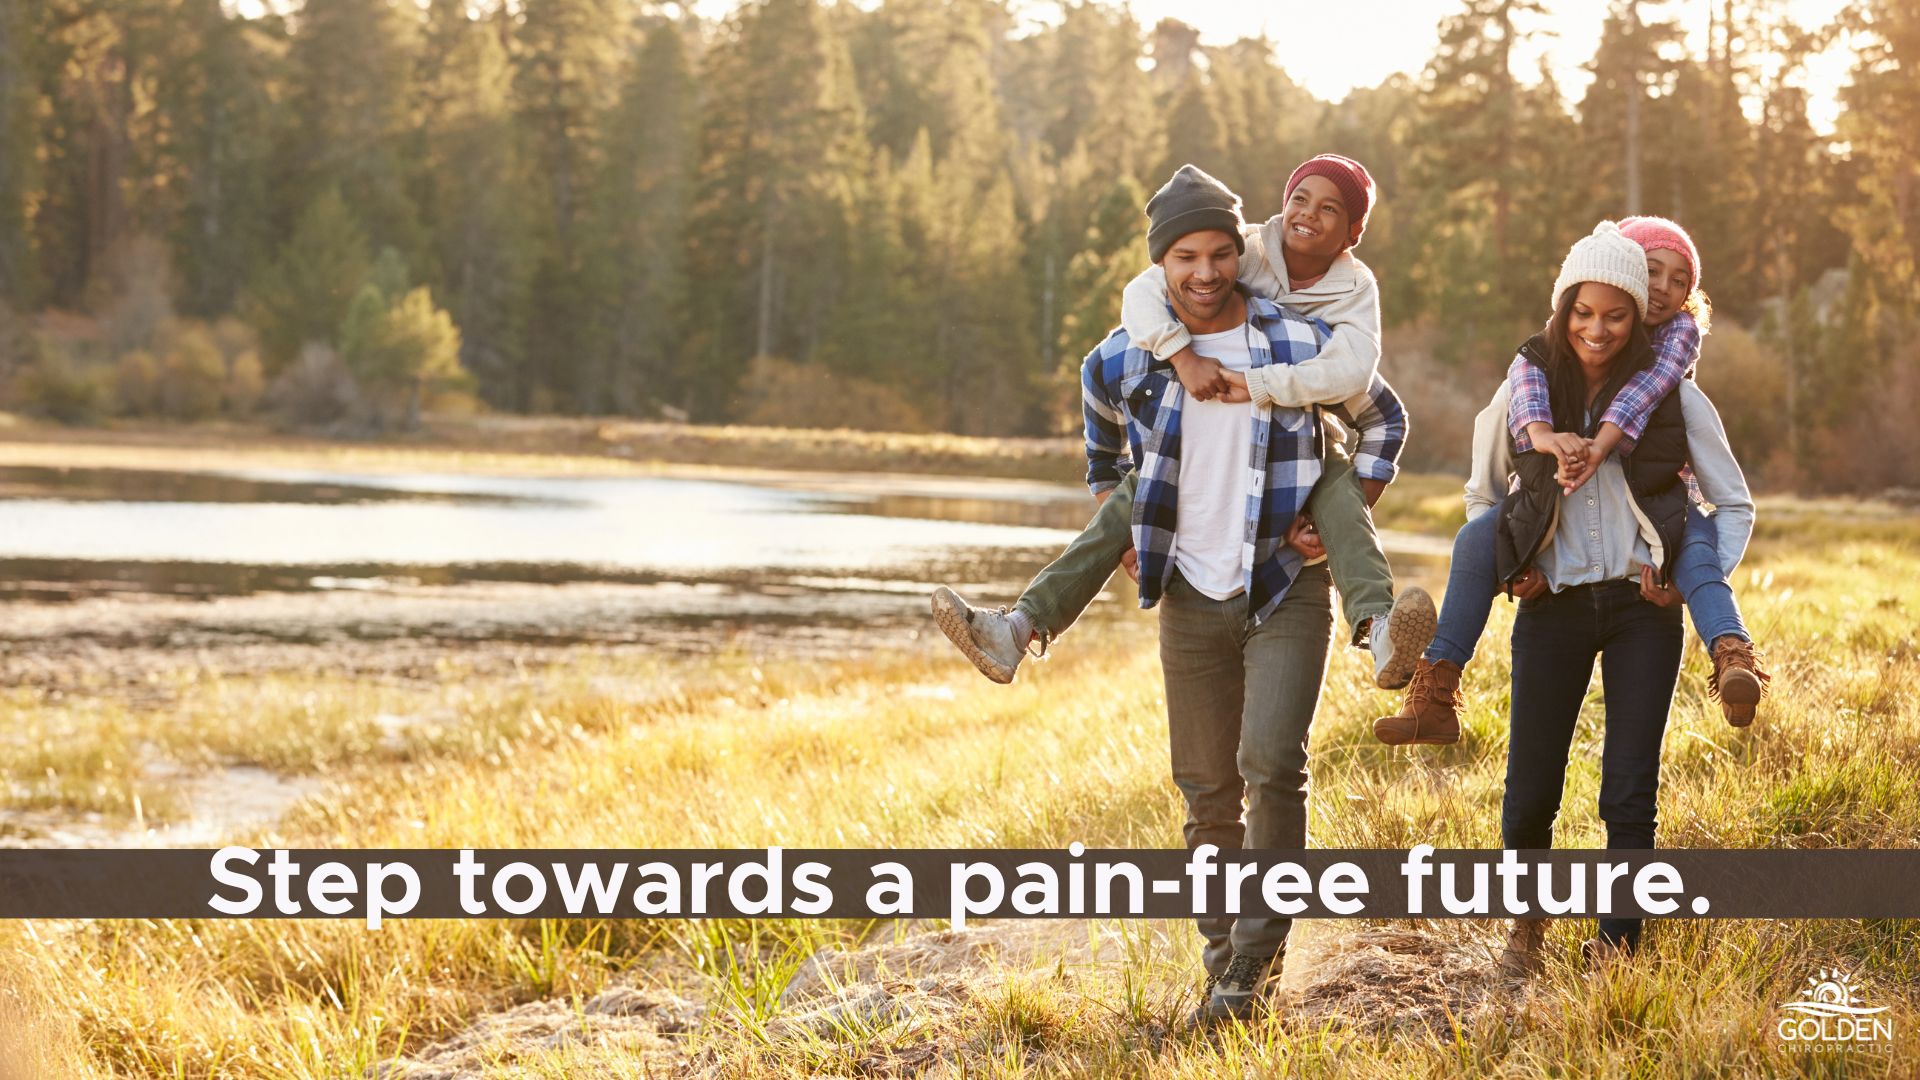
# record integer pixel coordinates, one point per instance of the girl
(1588, 561)
(1677, 314)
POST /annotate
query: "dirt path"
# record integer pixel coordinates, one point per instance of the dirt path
(927, 992)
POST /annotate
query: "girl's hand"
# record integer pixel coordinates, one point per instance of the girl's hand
(1563, 445)
(1661, 595)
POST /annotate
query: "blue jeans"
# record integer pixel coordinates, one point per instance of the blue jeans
(1555, 639)
(1697, 574)
(1472, 584)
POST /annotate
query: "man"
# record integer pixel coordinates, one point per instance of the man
(1222, 551)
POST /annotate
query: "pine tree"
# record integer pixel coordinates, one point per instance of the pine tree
(19, 136)
(566, 78)
(349, 124)
(466, 178)
(637, 258)
(303, 296)
(782, 147)
(217, 98)
(1469, 173)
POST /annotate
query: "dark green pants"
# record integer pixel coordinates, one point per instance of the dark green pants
(1057, 596)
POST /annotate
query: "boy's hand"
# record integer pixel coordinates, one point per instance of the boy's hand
(1130, 562)
(1237, 392)
(1203, 376)
(1304, 538)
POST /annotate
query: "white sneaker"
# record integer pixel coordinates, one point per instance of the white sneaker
(1400, 637)
(986, 637)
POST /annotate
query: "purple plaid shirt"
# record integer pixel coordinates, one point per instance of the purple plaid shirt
(1676, 349)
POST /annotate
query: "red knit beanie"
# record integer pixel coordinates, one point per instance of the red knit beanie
(1349, 176)
(1654, 233)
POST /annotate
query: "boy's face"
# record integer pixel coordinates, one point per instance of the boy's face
(1315, 220)
(1201, 268)
(1668, 285)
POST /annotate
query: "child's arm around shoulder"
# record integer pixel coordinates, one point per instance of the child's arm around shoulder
(1143, 303)
(1676, 347)
(1527, 401)
(1345, 366)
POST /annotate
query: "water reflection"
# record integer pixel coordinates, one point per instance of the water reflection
(256, 565)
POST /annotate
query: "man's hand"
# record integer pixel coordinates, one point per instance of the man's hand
(1130, 562)
(1203, 376)
(1530, 585)
(1660, 595)
(1304, 538)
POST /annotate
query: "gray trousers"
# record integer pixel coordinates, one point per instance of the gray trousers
(1239, 703)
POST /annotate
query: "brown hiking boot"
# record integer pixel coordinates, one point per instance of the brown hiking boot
(1431, 714)
(1739, 682)
(1526, 941)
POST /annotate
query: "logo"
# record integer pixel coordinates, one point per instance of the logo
(1832, 1014)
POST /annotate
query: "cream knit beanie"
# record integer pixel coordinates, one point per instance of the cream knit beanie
(1606, 256)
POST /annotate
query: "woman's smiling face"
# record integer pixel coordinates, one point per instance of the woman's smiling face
(1599, 324)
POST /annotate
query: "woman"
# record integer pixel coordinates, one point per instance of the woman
(1593, 566)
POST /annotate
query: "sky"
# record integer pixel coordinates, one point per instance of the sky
(1386, 36)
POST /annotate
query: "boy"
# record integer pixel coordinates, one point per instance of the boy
(1302, 258)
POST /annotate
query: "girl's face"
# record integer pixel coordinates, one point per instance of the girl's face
(1598, 327)
(1669, 283)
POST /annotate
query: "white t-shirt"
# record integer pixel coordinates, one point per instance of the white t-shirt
(1216, 445)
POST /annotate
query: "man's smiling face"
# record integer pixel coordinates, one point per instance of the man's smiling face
(1201, 268)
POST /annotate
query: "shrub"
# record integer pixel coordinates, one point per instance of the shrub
(780, 393)
(192, 372)
(136, 384)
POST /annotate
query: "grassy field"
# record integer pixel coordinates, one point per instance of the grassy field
(913, 749)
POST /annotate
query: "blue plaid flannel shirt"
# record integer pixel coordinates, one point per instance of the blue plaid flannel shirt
(1131, 403)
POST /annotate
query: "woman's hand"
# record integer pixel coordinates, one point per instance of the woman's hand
(1304, 538)
(1529, 586)
(1661, 595)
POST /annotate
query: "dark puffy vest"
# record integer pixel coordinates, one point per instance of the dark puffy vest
(1531, 512)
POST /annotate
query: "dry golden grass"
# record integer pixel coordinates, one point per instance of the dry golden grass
(915, 750)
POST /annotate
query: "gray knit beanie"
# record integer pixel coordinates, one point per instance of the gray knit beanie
(1191, 202)
(1607, 256)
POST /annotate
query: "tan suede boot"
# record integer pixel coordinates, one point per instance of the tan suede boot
(1526, 943)
(1739, 681)
(1430, 716)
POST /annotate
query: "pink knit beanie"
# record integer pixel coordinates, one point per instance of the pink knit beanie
(1654, 233)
